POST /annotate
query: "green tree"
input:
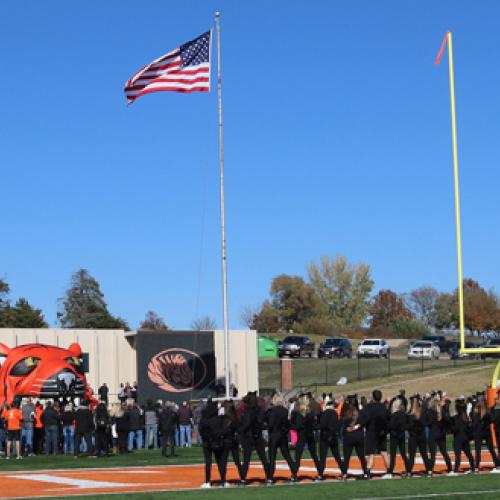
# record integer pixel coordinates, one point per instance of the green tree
(265, 320)
(22, 315)
(446, 311)
(4, 291)
(386, 307)
(407, 329)
(84, 307)
(153, 322)
(344, 289)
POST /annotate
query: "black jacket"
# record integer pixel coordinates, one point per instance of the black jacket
(304, 424)
(252, 423)
(212, 432)
(84, 420)
(437, 427)
(50, 417)
(277, 421)
(134, 416)
(329, 426)
(416, 426)
(167, 421)
(398, 424)
(68, 417)
(375, 418)
(461, 427)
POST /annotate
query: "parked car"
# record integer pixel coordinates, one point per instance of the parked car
(423, 349)
(455, 353)
(296, 346)
(442, 342)
(335, 347)
(377, 348)
(492, 344)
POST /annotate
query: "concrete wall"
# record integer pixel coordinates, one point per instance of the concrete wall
(112, 357)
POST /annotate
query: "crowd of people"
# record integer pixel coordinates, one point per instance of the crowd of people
(392, 427)
(29, 428)
(387, 427)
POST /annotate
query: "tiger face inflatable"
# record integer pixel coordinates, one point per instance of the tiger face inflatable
(41, 371)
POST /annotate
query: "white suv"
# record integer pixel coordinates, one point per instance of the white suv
(377, 348)
(423, 349)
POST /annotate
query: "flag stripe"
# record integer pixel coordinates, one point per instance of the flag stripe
(184, 69)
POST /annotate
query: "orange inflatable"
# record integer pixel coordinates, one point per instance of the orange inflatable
(42, 371)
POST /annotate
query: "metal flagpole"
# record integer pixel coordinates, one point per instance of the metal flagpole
(222, 214)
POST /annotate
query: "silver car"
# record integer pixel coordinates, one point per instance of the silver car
(423, 350)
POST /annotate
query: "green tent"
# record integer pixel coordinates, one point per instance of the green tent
(268, 348)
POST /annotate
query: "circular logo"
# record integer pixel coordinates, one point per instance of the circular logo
(177, 370)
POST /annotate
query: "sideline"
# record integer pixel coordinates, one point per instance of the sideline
(431, 495)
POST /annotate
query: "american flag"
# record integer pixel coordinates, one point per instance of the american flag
(184, 69)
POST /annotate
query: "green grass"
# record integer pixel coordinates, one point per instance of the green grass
(472, 486)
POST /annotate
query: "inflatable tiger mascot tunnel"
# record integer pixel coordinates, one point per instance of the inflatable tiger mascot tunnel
(42, 372)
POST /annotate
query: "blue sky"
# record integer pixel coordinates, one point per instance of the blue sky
(337, 141)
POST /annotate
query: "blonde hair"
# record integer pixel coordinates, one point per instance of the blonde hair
(278, 399)
(396, 405)
(416, 408)
(303, 405)
(116, 410)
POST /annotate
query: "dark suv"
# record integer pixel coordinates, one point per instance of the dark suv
(338, 348)
(296, 346)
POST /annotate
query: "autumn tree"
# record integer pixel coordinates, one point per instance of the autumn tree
(343, 288)
(83, 305)
(386, 307)
(264, 320)
(153, 322)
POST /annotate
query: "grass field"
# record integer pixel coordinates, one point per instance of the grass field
(486, 486)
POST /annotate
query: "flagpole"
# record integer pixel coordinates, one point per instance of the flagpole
(457, 193)
(222, 214)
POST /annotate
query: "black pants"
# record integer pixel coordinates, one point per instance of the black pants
(235, 453)
(418, 443)
(218, 454)
(325, 445)
(122, 441)
(462, 444)
(250, 444)
(101, 441)
(87, 436)
(354, 440)
(167, 439)
(478, 441)
(279, 442)
(302, 440)
(441, 444)
(397, 442)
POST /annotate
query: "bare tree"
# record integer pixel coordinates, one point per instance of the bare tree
(204, 323)
(422, 302)
(153, 322)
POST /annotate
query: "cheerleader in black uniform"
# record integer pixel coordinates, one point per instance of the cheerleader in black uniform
(278, 427)
(251, 425)
(212, 442)
(462, 433)
(437, 418)
(329, 428)
(481, 430)
(353, 436)
(304, 422)
(398, 425)
(417, 440)
(230, 424)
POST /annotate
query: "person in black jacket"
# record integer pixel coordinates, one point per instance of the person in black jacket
(352, 436)
(437, 419)
(230, 425)
(495, 416)
(101, 430)
(481, 430)
(68, 419)
(328, 436)
(167, 424)
(375, 417)
(212, 436)
(251, 425)
(417, 441)
(50, 420)
(304, 422)
(462, 433)
(278, 427)
(398, 425)
(84, 426)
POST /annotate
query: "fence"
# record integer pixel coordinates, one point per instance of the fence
(327, 372)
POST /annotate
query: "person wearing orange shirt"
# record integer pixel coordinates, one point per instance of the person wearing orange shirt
(13, 418)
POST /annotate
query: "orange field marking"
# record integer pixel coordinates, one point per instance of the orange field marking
(66, 482)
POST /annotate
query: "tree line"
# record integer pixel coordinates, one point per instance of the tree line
(82, 306)
(337, 299)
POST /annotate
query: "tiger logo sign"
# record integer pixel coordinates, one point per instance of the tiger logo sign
(42, 371)
(177, 370)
